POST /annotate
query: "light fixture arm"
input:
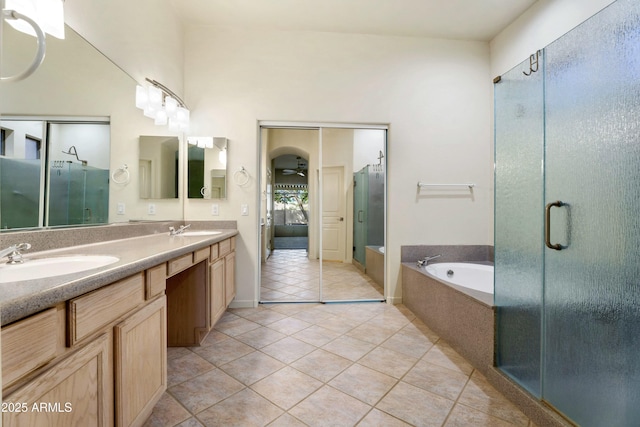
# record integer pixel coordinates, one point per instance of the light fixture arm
(12, 14)
(167, 91)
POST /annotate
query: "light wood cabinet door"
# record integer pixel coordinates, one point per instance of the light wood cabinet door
(230, 277)
(140, 357)
(217, 297)
(76, 392)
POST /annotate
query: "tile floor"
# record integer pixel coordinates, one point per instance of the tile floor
(365, 364)
(289, 275)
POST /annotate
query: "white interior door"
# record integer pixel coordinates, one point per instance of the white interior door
(333, 214)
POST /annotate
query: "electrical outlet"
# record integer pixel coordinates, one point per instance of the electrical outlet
(121, 209)
(151, 209)
(244, 210)
(215, 209)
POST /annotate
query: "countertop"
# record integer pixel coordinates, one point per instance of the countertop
(21, 299)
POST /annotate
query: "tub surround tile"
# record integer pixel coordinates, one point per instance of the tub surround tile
(449, 253)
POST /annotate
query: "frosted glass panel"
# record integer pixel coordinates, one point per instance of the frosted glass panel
(519, 151)
(592, 287)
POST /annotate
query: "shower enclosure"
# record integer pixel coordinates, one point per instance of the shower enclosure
(368, 210)
(567, 239)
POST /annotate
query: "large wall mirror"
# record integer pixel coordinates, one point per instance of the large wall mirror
(53, 173)
(322, 215)
(158, 167)
(207, 167)
(75, 83)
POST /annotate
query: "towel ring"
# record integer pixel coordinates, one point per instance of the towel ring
(122, 170)
(241, 177)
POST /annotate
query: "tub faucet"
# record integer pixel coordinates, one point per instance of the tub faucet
(13, 253)
(180, 230)
(423, 262)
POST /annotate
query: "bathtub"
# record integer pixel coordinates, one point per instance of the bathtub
(477, 277)
(374, 260)
(458, 307)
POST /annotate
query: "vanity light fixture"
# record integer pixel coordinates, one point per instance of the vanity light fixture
(34, 17)
(163, 106)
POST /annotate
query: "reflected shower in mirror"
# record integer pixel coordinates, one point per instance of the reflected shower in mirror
(158, 163)
(53, 173)
(207, 167)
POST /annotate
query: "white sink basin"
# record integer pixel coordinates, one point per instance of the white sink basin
(55, 266)
(200, 233)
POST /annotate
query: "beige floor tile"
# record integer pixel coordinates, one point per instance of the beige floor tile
(322, 365)
(287, 387)
(388, 362)
(377, 418)
(410, 342)
(436, 379)
(260, 337)
(168, 412)
(374, 334)
(415, 406)
(289, 326)
(363, 383)
(224, 352)
(330, 407)
(443, 355)
(480, 395)
(246, 408)
(205, 390)
(286, 420)
(252, 367)
(316, 335)
(349, 348)
(185, 367)
(191, 422)
(265, 317)
(236, 326)
(463, 416)
(288, 349)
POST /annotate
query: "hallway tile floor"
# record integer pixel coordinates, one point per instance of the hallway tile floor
(289, 275)
(364, 364)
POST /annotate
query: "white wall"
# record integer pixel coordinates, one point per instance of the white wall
(543, 23)
(144, 37)
(435, 95)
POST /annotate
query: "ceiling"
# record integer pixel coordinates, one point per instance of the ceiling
(452, 19)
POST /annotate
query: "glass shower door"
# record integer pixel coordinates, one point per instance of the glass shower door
(519, 150)
(591, 366)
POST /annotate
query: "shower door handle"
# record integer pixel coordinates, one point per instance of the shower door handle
(547, 225)
(360, 215)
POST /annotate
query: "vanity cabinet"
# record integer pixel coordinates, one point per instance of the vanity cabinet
(96, 360)
(199, 290)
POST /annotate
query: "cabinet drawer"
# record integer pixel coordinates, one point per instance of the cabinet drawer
(156, 281)
(201, 255)
(178, 264)
(28, 344)
(225, 247)
(214, 252)
(90, 312)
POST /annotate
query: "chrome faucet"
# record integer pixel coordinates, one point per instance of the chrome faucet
(14, 254)
(423, 262)
(180, 230)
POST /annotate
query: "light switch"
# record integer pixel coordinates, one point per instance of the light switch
(151, 209)
(244, 210)
(121, 209)
(215, 210)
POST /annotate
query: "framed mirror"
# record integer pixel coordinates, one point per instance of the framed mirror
(159, 164)
(207, 167)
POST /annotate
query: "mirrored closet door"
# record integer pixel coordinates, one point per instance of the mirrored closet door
(322, 218)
